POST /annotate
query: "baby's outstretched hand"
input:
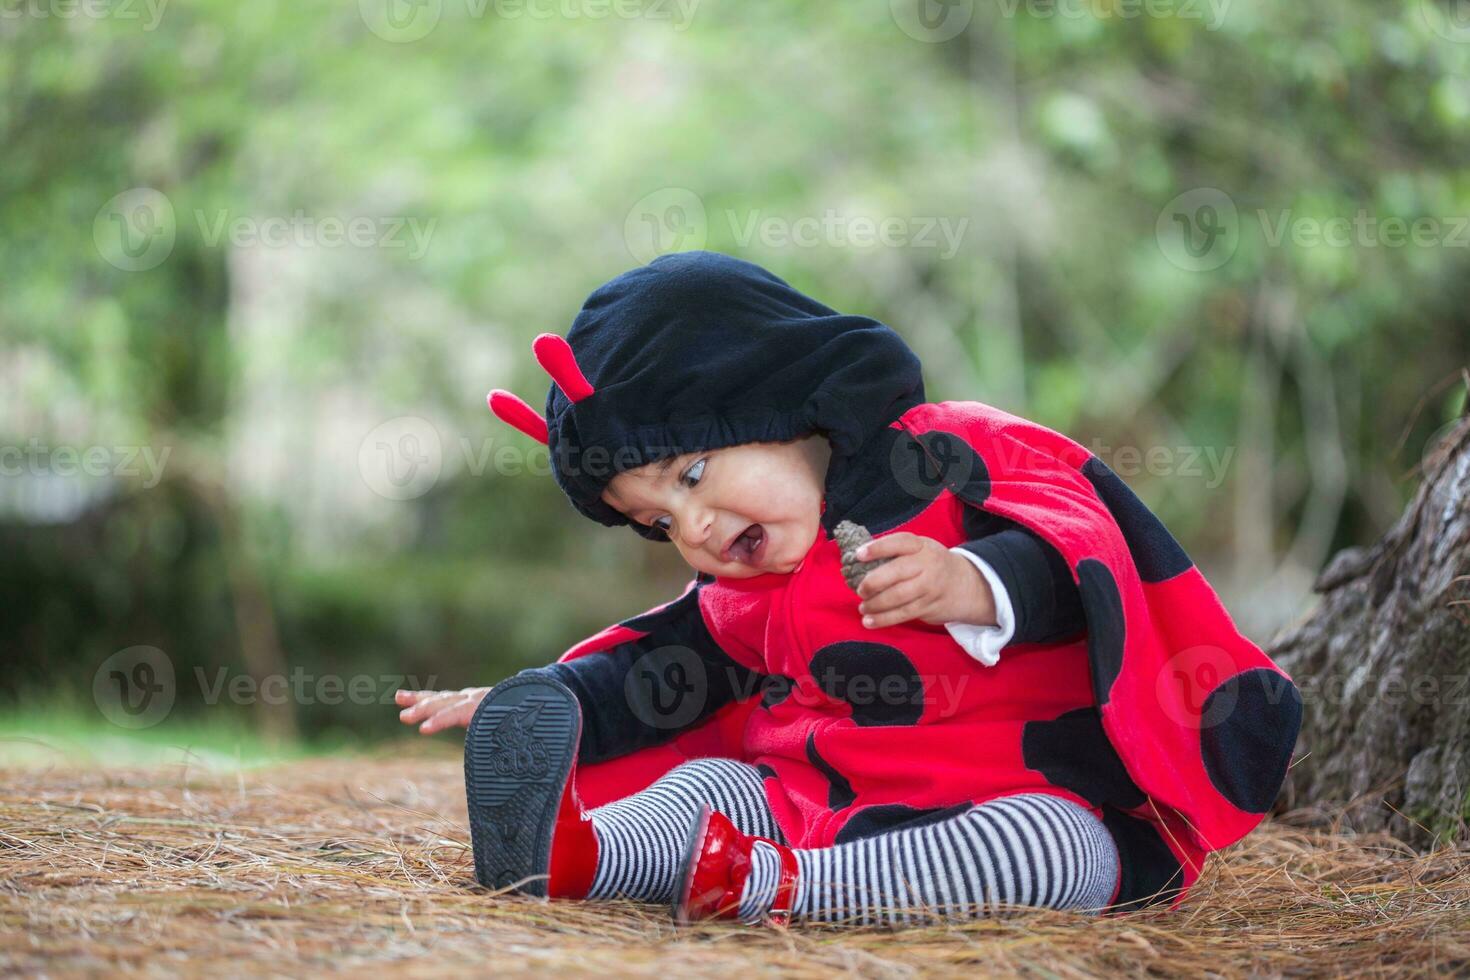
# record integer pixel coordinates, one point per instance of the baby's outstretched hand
(434, 711)
(924, 581)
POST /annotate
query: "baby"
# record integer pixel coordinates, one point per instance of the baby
(1035, 699)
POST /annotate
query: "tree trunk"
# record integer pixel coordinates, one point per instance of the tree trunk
(255, 615)
(1383, 664)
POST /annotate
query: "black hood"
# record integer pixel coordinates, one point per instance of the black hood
(698, 351)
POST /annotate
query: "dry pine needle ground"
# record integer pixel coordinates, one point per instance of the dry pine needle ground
(362, 863)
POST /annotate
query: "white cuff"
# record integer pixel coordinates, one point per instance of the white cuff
(984, 642)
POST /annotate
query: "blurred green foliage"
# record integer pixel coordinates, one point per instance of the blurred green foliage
(531, 154)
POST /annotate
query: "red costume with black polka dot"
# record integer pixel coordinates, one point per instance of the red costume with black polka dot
(1157, 713)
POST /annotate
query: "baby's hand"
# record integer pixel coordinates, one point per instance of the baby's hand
(438, 710)
(924, 581)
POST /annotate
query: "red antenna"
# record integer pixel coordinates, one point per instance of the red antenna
(514, 411)
(554, 355)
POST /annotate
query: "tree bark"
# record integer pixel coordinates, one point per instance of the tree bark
(1383, 664)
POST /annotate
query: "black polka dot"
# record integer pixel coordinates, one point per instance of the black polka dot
(1072, 751)
(1103, 607)
(766, 771)
(1151, 873)
(1249, 728)
(879, 683)
(1155, 552)
(885, 817)
(839, 792)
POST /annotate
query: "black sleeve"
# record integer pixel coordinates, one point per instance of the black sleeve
(644, 692)
(1045, 600)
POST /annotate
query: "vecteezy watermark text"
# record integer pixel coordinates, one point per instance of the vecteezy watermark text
(675, 219)
(1363, 230)
(1209, 463)
(308, 231)
(1201, 229)
(36, 458)
(137, 687)
(935, 21)
(302, 687)
(148, 11)
(404, 457)
(833, 229)
(406, 21)
(136, 230)
(1211, 13)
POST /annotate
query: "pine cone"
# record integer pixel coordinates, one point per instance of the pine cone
(850, 537)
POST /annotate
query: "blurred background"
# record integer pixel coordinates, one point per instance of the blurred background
(260, 263)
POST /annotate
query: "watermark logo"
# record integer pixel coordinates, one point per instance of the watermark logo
(134, 688)
(401, 21)
(402, 458)
(1450, 19)
(1199, 230)
(932, 21)
(1185, 685)
(135, 230)
(667, 688)
(925, 466)
(671, 219)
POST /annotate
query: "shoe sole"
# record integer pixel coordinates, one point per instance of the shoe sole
(693, 847)
(518, 754)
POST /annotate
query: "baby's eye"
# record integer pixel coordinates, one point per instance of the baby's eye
(692, 475)
(664, 523)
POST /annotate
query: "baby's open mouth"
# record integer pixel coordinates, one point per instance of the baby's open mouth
(748, 546)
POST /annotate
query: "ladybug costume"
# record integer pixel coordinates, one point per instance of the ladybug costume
(1147, 706)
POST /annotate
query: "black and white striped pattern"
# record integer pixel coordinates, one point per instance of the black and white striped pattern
(1031, 849)
(641, 838)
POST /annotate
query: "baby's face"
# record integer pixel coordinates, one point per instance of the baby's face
(737, 512)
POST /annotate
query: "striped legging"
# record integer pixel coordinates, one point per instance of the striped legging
(1030, 849)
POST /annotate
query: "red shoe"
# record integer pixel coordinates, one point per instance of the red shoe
(716, 866)
(527, 825)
